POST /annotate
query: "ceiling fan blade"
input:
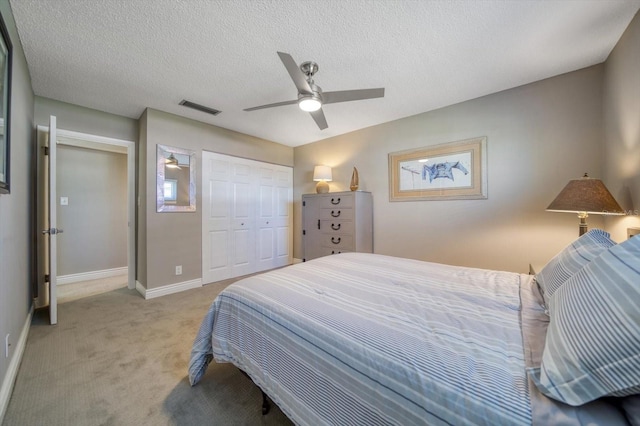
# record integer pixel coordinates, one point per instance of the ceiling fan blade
(277, 104)
(299, 79)
(351, 95)
(318, 116)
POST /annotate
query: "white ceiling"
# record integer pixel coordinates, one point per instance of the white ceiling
(121, 56)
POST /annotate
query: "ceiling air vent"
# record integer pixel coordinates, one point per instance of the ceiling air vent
(199, 107)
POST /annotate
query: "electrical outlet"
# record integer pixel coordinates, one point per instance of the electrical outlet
(6, 346)
(179, 270)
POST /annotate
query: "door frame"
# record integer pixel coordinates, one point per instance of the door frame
(103, 143)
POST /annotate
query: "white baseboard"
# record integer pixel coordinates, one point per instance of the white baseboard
(167, 289)
(296, 260)
(93, 275)
(12, 371)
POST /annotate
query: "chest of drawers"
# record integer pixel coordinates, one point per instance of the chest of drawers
(336, 222)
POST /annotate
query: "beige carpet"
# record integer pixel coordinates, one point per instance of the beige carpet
(79, 290)
(117, 359)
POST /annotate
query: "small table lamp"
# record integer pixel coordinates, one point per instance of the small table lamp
(584, 196)
(322, 175)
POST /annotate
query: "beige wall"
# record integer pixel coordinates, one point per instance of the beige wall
(85, 120)
(95, 220)
(539, 136)
(176, 238)
(17, 209)
(621, 141)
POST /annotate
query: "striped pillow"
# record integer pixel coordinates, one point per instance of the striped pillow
(592, 345)
(571, 259)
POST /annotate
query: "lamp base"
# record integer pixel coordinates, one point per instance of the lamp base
(583, 223)
(322, 187)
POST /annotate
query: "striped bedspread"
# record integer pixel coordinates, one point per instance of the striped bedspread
(369, 339)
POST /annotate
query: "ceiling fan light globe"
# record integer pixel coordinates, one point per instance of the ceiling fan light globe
(309, 104)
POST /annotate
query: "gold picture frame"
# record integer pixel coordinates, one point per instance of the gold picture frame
(449, 171)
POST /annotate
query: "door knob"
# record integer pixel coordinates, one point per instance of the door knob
(53, 231)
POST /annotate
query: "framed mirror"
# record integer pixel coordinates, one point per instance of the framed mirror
(5, 102)
(176, 179)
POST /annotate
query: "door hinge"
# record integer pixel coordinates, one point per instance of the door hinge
(46, 278)
(304, 232)
(304, 203)
(46, 150)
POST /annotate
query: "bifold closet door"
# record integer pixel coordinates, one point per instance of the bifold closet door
(247, 216)
(274, 216)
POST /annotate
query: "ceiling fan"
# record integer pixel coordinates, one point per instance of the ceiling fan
(310, 96)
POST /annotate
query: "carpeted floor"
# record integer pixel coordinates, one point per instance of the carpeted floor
(117, 359)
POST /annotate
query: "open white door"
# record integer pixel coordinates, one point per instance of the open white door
(48, 140)
(51, 231)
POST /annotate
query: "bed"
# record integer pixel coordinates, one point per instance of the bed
(369, 339)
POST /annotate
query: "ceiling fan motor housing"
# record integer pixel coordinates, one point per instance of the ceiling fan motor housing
(310, 101)
(309, 68)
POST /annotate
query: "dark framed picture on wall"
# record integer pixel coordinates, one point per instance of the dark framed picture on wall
(6, 50)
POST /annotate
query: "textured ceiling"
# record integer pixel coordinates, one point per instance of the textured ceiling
(121, 56)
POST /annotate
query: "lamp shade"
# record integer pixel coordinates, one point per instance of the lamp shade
(586, 195)
(322, 173)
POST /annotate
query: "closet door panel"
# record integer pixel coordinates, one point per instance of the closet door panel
(241, 253)
(218, 242)
(242, 200)
(243, 222)
(266, 201)
(216, 220)
(266, 244)
(283, 216)
(282, 244)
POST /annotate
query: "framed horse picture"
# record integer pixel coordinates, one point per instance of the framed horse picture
(454, 170)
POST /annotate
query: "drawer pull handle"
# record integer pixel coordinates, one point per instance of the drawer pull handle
(333, 240)
(335, 202)
(334, 227)
(334, 214)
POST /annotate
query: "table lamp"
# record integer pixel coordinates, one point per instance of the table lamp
(585, 196)
(322, 175)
